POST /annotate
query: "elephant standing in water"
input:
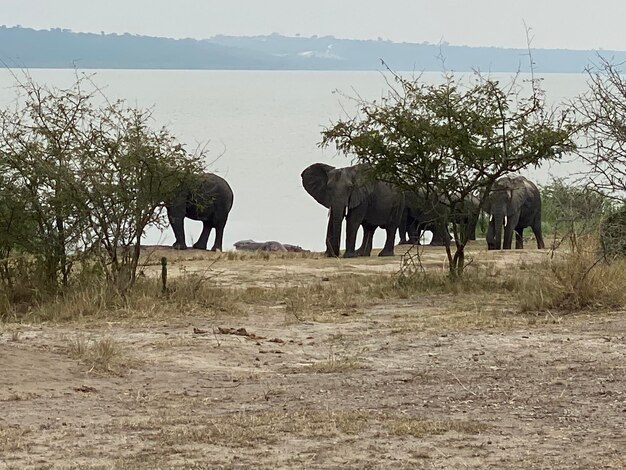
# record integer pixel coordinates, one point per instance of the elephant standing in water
(514, 202)
(207, 198)
(420, 215)
(350, 192)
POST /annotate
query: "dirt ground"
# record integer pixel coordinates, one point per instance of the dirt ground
(395, 384)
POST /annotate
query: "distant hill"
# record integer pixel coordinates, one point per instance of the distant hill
(57, 48)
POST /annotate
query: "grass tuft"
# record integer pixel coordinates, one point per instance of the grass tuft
(102, 355)
(577, 280)
(419, 427)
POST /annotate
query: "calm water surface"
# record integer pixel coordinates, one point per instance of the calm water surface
(264, 127)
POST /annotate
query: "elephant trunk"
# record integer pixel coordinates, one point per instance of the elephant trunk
(333, 235)
(498, 221)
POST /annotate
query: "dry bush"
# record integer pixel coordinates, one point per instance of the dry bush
(336, 363)
(577, 279)
(102, 355)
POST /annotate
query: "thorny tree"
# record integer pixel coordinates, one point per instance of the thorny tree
(87, 176)
(447, 141)
(603, 112)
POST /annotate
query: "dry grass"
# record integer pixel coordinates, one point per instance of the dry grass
(578, 280)
(419, 427)
(13, 439)
(336, 363)
(101, 355)
(251, 429)
(266, 256)
(570, 281)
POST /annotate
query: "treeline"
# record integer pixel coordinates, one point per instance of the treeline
(62, 48)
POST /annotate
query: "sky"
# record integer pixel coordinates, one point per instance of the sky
(565, 24)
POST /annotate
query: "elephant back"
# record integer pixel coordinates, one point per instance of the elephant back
(210, 191)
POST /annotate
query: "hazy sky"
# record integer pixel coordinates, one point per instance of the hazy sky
(572, 24)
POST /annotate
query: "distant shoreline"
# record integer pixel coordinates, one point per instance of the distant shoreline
(25, 48)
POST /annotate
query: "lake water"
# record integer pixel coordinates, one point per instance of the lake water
(264, 126)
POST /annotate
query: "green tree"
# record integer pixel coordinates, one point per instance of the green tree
(88, 175)
(572, 209)
(448, 141)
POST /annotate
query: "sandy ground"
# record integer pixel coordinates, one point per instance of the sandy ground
(391, 385)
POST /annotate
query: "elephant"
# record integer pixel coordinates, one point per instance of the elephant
(420, 215)
(207, 198)
(351, 193)
(514, 202)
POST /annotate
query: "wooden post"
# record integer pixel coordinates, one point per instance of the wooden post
(164, 274)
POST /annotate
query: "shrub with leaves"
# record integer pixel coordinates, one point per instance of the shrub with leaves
(573, 209)
(613, 235)
(86, 176)
(450, 141)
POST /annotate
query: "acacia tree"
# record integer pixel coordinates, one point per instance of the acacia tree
(39, 139)
(125, 174)
(448, 142)
(87, 175)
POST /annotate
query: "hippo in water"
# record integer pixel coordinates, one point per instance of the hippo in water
(251, 245)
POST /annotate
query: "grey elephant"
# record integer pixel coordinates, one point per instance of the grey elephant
(351, 193)
(515, 203)
(207, 198)
(420, 215)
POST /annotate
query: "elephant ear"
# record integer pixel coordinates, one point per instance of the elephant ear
(359, 195)
(518, 193)
(315, 181)
(363, 186)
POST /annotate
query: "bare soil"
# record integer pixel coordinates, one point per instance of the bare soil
(434, 381)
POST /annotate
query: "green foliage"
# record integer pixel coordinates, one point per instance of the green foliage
(448, 141)
(81, 176)
(613, 234)
(572, 209)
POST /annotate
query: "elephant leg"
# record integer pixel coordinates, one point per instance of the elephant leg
(491, 236)
(219, 235)
(352, 226)
(472, 223)
(519, 238)
(178, 227)
(508, 236)
(440, 235)
(204, 236)
(330, 249)
(389, 243)
(415, 232)
(536, 228)
(509, 229)
(368, 237)
(404, 228)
